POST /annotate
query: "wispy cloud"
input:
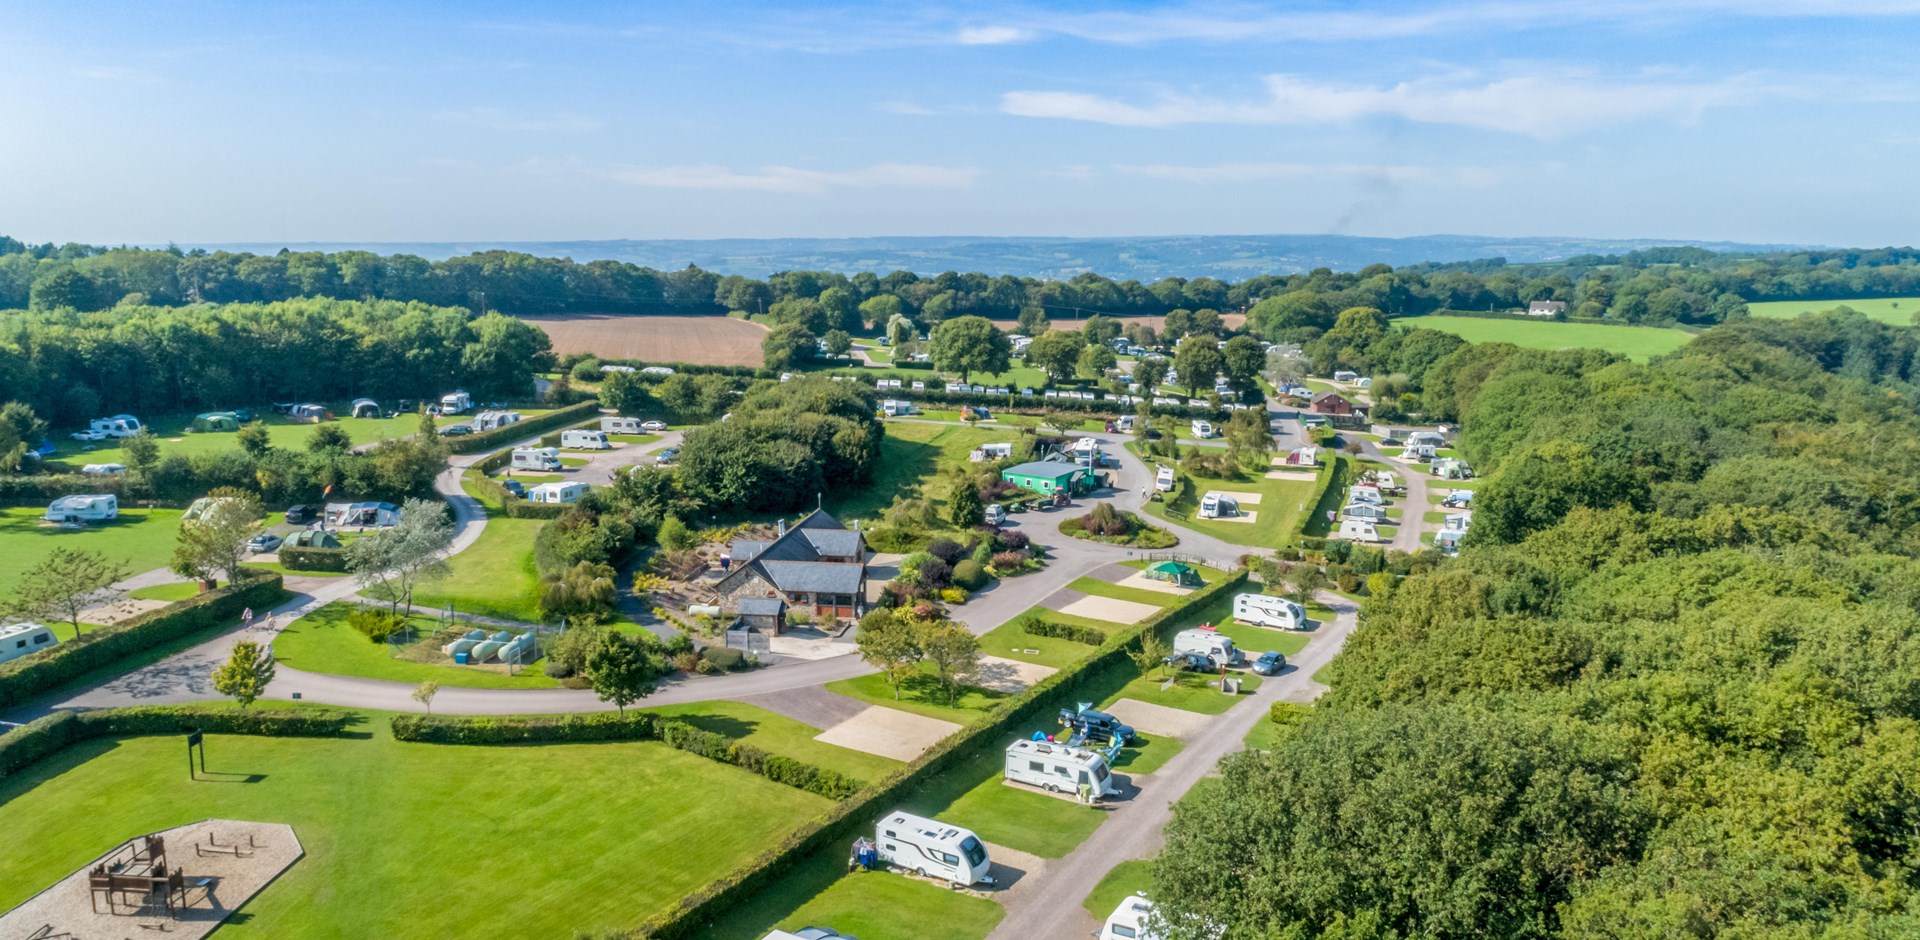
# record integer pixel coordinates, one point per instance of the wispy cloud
(1255, 172)
(1543, 105)
(991, 35)
(907, 108)
(787, 179)
(500, 119)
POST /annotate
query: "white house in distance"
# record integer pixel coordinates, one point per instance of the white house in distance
(98, 507)
(24, 639)
(1546, 308)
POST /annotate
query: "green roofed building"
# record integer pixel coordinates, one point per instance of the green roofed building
(1174, 572)
(1049, 477)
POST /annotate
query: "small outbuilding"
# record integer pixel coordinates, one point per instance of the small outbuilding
(1049, 477)
(1329, 403)
(366, 408)
(767, 615)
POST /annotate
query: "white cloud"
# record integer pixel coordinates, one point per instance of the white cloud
(907, 108)
(787, 179)
(502, 120)
(1544, 106)
(991, 35)
(1254, 172)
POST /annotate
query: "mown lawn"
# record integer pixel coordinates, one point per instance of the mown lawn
(494, 577)
(920, 694)
(1898, 311)
(975, 796)
(779, 734)
(1146, 754)
(544, 840)
(1192, 693)
(1275, 516)
(1008, 641)
(175, 438)
(883, 905)
(141, 539)
(1634, 342)
(1128, 878)
(323, 642)
(171, 593)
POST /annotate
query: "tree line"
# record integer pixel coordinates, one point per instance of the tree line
(1660, 286)
(1669, 688)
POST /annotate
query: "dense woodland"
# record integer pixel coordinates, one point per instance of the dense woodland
(1670, 687)
(1665, 285)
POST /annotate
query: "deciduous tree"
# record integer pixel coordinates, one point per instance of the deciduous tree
(245, 675)
(66, 582)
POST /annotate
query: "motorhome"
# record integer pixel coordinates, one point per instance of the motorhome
(1345, 375)
(116, 426)
(1357, 530)
(1209, 643)
(567, 492)
(1265, 610)
(536, 458)
(932, 848)
(996, 514)
(1202, 429)
(97, 507)
(583, 439)
(1163, 479)
(24, 639)
(1130, 921)
(455, 403)
(1058, 768)
(620, 425)
(1218, 506)
(494, 420)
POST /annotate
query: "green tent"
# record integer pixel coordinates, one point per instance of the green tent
(311, 538)
(216, 421)
(1174, 572)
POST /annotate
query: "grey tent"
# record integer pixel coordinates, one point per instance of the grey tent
(366, 408)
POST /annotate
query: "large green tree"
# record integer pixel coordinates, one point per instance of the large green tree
(1055, 352)
(970, 344)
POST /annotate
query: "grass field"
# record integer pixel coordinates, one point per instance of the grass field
(1010, 642)
(910, 455)
(285, 434)
(1192, 693)
(140, 538)
(1898, 311)
(171, 593)
(1127, 878)
(720, 341)
(415, 839)
(494, 577)
(882, 905)
(1016, 817)
(778, 734)
(1635, 342)
(1099, 588)
(1276, 515)
(920, 694)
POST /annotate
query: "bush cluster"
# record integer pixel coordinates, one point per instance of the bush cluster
(41, 737)
(1035, 626)
(45, 671)
(314, 559)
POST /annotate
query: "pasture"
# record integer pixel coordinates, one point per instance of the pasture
(1898, 311)
(720, 341)
(538, 841)
(1635, 342)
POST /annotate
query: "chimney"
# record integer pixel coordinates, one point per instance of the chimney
(783, 525)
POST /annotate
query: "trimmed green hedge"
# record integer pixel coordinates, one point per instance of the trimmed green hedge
(1332, 480)
(43, 672)
(1035, 626)
(40, 489)
(634, 726)
(519, 431)
(23, 746)
(698, 911)
(314, 559)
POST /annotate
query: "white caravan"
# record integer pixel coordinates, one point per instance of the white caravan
(582, 439)
(1265, 610)
(894, 408)
(1218, 506)
(116, 426)
(999, 451)
(494, 420)
(1163, 479)
(455, 403)
(1357, 530)
(932, 848)
(1202, 429)
(92, 508)
(619, 425)
(536, 458)
(1129, 921)
(1058, 768)
(1208, 643)
(567, 492)
(1364, 493)
(24, 639)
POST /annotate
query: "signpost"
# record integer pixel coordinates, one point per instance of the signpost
(194, 739)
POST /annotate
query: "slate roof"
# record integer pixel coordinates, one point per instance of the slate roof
(821, 577)
(760, 606)
(796, 560)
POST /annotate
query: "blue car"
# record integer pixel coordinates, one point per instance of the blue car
(1270, 663)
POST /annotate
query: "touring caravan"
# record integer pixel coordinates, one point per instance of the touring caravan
(1364, 493)
(1217, 506)
(455, 403)
(1202, 429)
(894, 409)
(116, 426)
(1209, 643)
(621, 425)
(1163, 479)
(24, 639)
(932, 848)
(582, 439)
(97, 507)
(376, 515)
(1130, 921)
(567, 492)
(1357, 530)
(984, 452)
(1265, 610)
(536, 458)
(1371, 512)
(1058, 768)
(494, 420)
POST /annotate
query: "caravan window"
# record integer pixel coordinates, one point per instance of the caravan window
(975, 854)
(1083, 777)
(1121, 930)
(42, 638)
(1036, 765)
(953, 860)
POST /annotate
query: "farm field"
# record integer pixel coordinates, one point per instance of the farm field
(142, 538)
(71, 455)
(1898, 311)
(720, 341)
(550, 837)
(1635, 342)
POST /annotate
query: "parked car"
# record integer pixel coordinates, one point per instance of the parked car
(300, 514)
(1190, 662)
(243, 415)
(265, 542)
(653, 427)
(456, 430)
(89, 435)
(514, 487)
(669, 455)
(1270, 663)
(1097, 726)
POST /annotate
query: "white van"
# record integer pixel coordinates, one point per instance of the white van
(1209, 643)
(1058, 768)
(97, 507)
(536, 458)
(1202, 429)
(996, 514)
(1129, 921)
(619, 425)
(1265, 610)
(1163, 480)
(1357, 530)
(932, 848)
(582, 439)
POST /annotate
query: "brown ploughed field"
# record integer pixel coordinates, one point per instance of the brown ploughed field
(720, 341)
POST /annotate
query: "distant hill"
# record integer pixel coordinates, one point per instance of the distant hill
(1228, 257)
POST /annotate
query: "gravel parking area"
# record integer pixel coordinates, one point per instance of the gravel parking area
(888, 732)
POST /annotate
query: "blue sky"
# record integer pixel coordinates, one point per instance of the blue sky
(1754, 120)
